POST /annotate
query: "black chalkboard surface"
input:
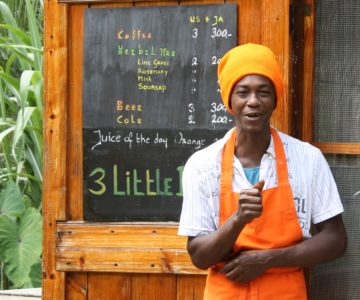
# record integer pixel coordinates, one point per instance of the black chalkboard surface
(150, 100)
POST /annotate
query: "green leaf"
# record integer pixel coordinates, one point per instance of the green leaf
(25, 82)
(22, 245)
(10, 20)
(21, 122)
(37, 81)
(11, 203)
(35, 163)
(36, 274)
(7, 15)
(12, 84)
(21, 35)
(4, 133)
(34, 33)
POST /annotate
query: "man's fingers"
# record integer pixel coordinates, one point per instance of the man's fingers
(259, 185)
(251, 199)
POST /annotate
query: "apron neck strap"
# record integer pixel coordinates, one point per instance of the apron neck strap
(227, 163)
(228, 157)
(281, 164)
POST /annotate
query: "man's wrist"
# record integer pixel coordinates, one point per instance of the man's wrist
(276, 257)
(238, 222)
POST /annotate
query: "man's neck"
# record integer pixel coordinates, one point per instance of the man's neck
(250, 147)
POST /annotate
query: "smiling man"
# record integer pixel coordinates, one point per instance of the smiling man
(251, 197)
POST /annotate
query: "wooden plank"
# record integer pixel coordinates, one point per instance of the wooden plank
(109, 286)
(127, 260)
(308, 90)
(76, 286)
(54, 132)
(275, 35)
(149, 287)
(145, 3)
(156, 3)
(195, 2)
(111, 2)
(190, 287)
(110, 5)
(249, 22)
(337, 148)
(74, 148)
(146, 248)
(112, 235)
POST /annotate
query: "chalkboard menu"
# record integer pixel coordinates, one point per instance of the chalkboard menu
(150, 100)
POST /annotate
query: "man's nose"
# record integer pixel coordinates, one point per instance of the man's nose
(253, 99)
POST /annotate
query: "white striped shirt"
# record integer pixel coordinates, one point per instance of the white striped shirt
(315, 193)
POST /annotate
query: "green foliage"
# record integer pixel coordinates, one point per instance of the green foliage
(21, 147)
(20, 242)
(10, 206)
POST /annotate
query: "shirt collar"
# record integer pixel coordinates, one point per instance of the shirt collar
(270, 150)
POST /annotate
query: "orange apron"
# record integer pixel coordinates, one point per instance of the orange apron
(277, 227)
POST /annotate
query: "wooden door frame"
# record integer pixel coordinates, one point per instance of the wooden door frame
(303, 35)
(66, 246)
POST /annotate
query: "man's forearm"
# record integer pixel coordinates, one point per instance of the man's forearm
(206, 251)
(330, 243)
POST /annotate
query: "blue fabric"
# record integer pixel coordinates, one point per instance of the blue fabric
(252, 174)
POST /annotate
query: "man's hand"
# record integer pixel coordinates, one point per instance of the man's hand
(246, 265)
(250, 203)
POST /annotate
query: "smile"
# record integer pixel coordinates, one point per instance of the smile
(253, 116)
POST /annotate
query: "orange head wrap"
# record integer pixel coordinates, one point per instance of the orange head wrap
(248, 59)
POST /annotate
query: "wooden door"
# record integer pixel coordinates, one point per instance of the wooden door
(83, 260)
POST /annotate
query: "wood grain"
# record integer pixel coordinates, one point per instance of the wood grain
(249, 22)
(122, 248)
(338, 148)
(76, 286)
(190, 287)
(89, 235)
(149, 287)
(275, 35)
(308, 92)
(54, 132)
(74, 112)
(109, 286)
(125, 260)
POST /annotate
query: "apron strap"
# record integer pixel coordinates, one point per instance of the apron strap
(226, 176)
(281, 164)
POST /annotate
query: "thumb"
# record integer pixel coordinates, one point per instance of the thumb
(259, 185)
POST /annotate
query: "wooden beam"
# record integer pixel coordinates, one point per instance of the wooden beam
(115, 235)
(111, 247)
(54, 132)
(74, 111)
(275, 34)
(338, 148)
(125, 260)
(308, 89)
(112, 2)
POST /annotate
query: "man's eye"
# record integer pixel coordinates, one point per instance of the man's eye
(242, 93)
(264, 94)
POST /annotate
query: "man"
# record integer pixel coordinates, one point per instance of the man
(251, 197)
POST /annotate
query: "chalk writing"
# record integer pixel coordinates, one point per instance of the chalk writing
(150, 100)
(148, 182)
(133, 35)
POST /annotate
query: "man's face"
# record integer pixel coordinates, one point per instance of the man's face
(252, 101)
